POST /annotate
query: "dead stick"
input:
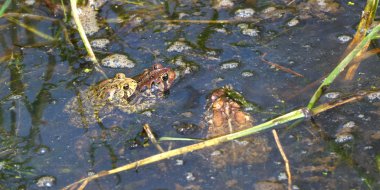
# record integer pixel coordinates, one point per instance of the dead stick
(356, 62)
(152, 138)
(287, 167)
(83, 185)
(277, 66)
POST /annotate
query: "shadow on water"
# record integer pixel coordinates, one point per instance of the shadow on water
(338, 150)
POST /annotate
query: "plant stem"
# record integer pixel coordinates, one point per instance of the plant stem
(341, 66)
(82, 33)
(4, 7)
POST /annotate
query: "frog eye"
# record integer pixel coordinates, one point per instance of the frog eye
(165, 77)
(126, 87)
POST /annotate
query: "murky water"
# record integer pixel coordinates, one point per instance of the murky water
(37, 140)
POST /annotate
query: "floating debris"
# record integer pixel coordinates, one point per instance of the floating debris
(229, 65)
(293, 22)
(282, 176)
(268, 10)
(185, 67)
(42, 150)
(87, 16)
(190, 176)
(332, 95)
(179, 162)
(374, 96)
(187, 114)
(272, 13)
(247, 74)
(178, 46)
(46, 181)
(350, 124)
(250, 32)
(344, 38)
(344, 134)
(100, 43)
(182, 15)
(244, 13)
(221, 30)
(222, 4)
(117, 61)
(343, 138)
(242, 26)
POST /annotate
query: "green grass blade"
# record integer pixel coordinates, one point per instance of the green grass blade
(341, 66)
(4, 7)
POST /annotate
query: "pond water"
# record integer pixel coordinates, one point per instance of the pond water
(339, 149)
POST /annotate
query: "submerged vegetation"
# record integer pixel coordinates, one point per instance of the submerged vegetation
(56, 45)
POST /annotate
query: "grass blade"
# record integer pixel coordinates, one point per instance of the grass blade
(4, 7)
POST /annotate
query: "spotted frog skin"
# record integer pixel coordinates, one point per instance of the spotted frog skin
(152, 85)
(225, 115)
(117, 89)
(157, 78)
(98, 101)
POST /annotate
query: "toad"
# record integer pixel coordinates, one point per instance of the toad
(225, 115)
(98, 101)
(152, 85)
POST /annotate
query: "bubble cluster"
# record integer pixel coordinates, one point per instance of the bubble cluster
(117, 61)
(244, 13)
(178, 46)
(100, 43)
(222, 4)
(344, 38)
(45, 181)
(87, 17)
(229, 65)
(332, 95)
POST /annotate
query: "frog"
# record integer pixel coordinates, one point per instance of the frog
(225, 114)
(157, 78)
(98, 101)
(152, 85)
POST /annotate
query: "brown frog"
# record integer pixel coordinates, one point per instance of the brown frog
(95, 103)
(152, 84)
(225, 115)
(157, 78)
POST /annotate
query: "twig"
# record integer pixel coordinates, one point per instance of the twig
(277, 66)
(84, 184)
(287, 167)
(152, 138)
(356, 62)
(297, 114)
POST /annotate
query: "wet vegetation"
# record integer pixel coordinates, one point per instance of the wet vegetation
(227, 69)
